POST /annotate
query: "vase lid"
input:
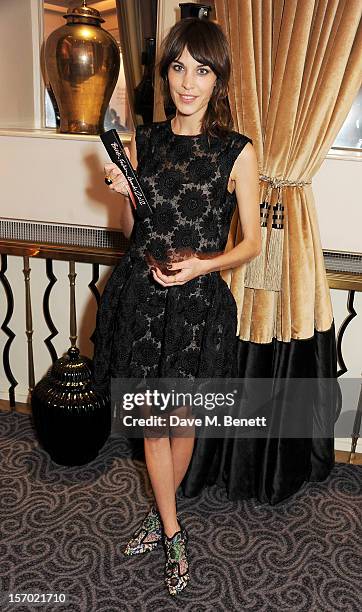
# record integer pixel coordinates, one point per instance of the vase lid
(84, 12)
(72, 370)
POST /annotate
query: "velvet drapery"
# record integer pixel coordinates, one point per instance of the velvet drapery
(131, 39)
(296, 69)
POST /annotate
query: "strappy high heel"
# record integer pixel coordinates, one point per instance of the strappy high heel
(147, 536)
(177, 566)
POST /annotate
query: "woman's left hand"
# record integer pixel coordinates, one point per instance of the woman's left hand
(185, 271)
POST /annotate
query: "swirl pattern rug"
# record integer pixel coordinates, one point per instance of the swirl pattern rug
(64, 529)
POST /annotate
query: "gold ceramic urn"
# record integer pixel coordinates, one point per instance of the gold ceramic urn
(82, 61)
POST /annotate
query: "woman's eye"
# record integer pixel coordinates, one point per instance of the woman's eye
(178, 68)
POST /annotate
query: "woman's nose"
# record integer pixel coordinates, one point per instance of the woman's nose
(187, 81)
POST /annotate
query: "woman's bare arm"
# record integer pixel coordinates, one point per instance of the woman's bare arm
(245, 174)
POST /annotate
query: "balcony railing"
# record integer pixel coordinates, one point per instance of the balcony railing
(344, 272)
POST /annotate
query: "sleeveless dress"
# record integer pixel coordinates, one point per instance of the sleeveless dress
(142, 328)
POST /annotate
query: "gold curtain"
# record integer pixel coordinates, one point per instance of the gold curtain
(131, 39)
(296, 69)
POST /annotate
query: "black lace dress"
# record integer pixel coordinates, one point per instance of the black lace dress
(144, 329)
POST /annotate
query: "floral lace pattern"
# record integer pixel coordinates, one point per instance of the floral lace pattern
(146, 537)
(177, 566)
(147, 330)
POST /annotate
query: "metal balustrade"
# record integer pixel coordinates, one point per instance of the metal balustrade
(344, 272)
(48, 252)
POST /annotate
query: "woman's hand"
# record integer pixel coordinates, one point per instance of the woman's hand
(119, 183)
(185, 271)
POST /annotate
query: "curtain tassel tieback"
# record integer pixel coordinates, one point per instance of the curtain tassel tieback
(265, 270)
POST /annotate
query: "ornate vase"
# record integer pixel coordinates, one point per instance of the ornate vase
(72, 421)
(82, 61)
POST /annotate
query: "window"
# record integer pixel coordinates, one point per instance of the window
(350, 136)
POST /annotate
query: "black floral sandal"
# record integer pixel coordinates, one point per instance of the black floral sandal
(177, 566)
(147, 536)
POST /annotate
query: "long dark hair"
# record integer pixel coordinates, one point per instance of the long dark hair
(208, 45)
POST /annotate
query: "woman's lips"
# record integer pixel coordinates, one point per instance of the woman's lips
(187, 99)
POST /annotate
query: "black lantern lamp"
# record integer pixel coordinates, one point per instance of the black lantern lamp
(144, 92)
(71, 419)
(189, 9)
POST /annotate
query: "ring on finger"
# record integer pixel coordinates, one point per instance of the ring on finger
(108, 180)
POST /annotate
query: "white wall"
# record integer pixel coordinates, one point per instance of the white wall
(337, 191)
(57, 179)
(16, 63)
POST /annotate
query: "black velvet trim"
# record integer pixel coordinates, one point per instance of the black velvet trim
(273, 469)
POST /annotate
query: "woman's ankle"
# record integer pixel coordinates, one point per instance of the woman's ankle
(171, 529)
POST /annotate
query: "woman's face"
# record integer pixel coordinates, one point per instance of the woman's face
(191, 84)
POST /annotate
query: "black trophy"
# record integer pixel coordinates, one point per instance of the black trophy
(118, 155)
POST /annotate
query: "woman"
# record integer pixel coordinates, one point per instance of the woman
(166, 311)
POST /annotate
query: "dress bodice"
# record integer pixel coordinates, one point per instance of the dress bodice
(187, 330)
(185, 180)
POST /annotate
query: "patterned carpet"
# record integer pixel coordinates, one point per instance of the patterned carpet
(63, 530)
